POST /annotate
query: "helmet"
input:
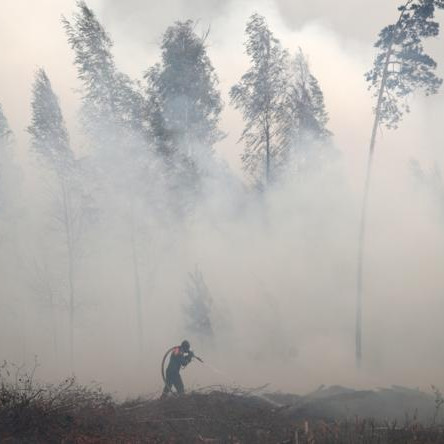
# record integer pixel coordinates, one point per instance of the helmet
(185, 346)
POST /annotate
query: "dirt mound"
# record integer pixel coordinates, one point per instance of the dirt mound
(397, 403)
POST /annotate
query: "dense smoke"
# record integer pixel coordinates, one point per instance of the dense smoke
(131, 217)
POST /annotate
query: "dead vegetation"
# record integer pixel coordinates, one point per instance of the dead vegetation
(69, 413)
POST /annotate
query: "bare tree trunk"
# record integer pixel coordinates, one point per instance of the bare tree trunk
(267, 166)
(137, 291)
(53, 320)
(362, 226)
(361, 244)
(267, 121)
(70, 247)
(54, 332)
(71, 307)
(44, 284)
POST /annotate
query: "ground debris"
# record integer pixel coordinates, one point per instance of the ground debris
(72, 414)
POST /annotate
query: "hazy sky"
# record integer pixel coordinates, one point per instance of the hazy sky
(135, 14)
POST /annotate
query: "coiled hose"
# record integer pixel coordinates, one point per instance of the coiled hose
(163, 362)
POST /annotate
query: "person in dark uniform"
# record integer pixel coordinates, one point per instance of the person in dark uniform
(180, 357)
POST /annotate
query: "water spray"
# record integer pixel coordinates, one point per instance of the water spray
(233, 382)
(218, 372)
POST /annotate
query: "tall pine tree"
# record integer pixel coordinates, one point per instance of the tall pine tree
(50, 141)
(400, 67)
(5, 131)
(184, 105)
(11, 235)
(198, 308)
(112, 105)
(113, 117)
(50, 137)
(259, 95)
(184, 87)
(6, 163)
(304, 117)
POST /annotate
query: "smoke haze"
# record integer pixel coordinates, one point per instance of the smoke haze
(280, 270)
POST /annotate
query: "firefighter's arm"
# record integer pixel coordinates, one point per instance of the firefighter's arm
(186, 359)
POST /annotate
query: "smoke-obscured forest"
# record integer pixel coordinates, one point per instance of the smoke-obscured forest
(217, 195)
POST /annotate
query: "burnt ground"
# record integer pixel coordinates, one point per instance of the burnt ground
(69, 413)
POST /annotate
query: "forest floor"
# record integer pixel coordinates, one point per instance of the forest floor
(70, 413)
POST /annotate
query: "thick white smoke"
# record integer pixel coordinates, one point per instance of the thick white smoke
(280, 268)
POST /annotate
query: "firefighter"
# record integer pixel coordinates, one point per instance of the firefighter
(180, 357)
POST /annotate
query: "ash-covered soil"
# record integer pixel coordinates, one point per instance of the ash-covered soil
(72, 414)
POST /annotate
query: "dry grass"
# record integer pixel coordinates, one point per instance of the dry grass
(70, 413)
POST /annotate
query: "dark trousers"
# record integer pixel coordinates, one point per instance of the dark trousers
(173, 379)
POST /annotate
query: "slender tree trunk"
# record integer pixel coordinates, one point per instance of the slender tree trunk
(137, 291)
(362, 230)
(362, 226)
(71, 307)
(70, 247)
(267, 119)
(267, 153)
(54, 333)
(45, 281)
(361, 244)
(53, 321)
